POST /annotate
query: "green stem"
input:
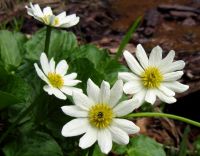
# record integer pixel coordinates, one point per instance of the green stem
(47, 40)
(19, 118)
(91, 151)
(152, 114)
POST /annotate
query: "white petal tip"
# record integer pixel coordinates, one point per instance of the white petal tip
(82, 146)
(126, 52)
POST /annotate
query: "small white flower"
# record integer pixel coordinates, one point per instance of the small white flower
(57, 81)
(97, 116)
(47, 17)
(153, 76)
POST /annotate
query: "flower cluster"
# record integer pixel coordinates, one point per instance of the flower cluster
(99, 114)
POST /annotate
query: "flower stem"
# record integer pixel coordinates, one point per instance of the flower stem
(152, 114)
(19, 118)
(91, 151)
(47, 40)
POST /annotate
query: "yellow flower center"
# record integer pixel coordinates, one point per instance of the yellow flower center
(100, 115)
(55, 80)
(47, 20)
(152, 77)
(56, 21)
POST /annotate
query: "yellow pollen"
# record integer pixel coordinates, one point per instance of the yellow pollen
(152, 77)
(100, 115)
(56, 21)
(55, 80)
(47, 20)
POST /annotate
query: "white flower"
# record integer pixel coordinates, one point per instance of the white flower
(97, 116)
(47, 17)
(153, 76)
(57, 81)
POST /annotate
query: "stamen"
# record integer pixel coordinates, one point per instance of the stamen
(47, 20)
(100, 115)
(152, 77)
(56, 21)
(56, 80)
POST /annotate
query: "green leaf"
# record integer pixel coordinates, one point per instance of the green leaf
(102, 62)
(62, 43)
(20, 88)
(183, 146)
(21, 40)
(92, 53)
(9, 49)
(22, 91)
(197, 146)
(119, 149)
(144, 146)
(127, 37)
(111, 69)
(36, 143)
(7, 99)
(85, 70)
(97, 151)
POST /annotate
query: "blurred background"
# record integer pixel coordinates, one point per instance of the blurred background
(171, 24)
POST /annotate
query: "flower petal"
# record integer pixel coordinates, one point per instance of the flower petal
(126, 125)
(70, 21)
(119, 136)
(155, 56)
(37, 10)
(104, 95)
(176, 86)
(140, 96)
(44, 63)
(132, 63)
(48, 89)
(58, 94)
(132, 87)
(164, 98)
(116, 93)
(52, 65)
(177, 65)
(89, 138)
(104, 140)
(127, 76)
(71, 82)
(74, 111)
(150, 96)
(69, 90)
(173, 76)
(82, 100)
(167, 60)
(125, 107)
(40, 73)
(93, 91)
(47, 11)
(142, 56)
(70, 76)
(75, 127)
(62, 15)
(29, 11)
(166, 90)
(62, 67)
